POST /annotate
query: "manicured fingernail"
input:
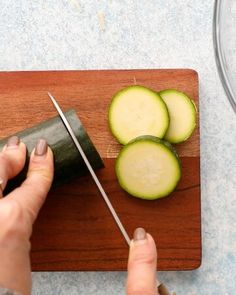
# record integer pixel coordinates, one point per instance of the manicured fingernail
(163, 290)
(41, 147)
(13, 141)
(139, 234)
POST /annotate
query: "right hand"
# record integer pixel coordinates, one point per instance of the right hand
(142, 265)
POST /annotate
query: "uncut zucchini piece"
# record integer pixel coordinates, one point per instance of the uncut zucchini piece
(148, 168)
(183, 115)
(135, 111)
(67, 160)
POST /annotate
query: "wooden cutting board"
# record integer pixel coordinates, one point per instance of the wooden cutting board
(75, 230)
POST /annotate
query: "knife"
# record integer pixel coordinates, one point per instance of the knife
(161, 287)
(94, 176)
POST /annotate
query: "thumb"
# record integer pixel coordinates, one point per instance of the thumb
(33, 191)
(142, 265)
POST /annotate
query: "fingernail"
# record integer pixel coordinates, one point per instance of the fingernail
(13, 141)
(139, 234)
(163, 290)
(41, 147)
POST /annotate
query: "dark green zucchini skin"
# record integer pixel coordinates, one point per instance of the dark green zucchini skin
(67, 160)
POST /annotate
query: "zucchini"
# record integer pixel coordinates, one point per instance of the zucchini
(136, 111)
(182, 111)
(67, 160)
(148, 168)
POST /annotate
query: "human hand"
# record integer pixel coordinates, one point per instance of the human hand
(142, 265)
(20, 208)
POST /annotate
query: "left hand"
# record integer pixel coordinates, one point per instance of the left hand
(20, 208)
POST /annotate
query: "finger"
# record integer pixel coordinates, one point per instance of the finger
(142, 265)
(12, 160)
(33, 191)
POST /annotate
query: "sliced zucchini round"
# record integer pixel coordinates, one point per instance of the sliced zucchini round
(136, 111)
(182, 111)
(148, 168)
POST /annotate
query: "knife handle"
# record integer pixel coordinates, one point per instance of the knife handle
(163, 290)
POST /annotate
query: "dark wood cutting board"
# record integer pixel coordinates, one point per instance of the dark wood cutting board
(75, 230)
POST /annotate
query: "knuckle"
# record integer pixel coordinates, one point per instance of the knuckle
(42, 174)
(144, 258)
(33, 194)
(47, 177)
(35, 189)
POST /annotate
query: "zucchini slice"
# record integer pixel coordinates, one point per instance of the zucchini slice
(148, 168)
(182, 111)
(67, 160)
(136, 111)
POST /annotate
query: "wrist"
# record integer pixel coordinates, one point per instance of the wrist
(14, 239)
(15, 271)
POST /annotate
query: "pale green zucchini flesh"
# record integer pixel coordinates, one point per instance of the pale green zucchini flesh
(148, 168)
(136, 111)
(182, 112)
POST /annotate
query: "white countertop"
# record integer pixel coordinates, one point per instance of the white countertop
(108, 34)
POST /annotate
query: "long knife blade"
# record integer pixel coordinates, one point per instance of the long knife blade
(94, 176)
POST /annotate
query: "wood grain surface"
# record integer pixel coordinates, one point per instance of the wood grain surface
(75, 230)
